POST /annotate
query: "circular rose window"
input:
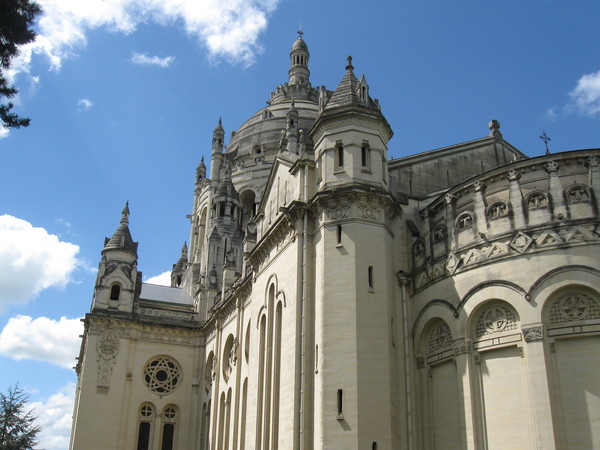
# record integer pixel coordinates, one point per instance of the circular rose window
(162, 375)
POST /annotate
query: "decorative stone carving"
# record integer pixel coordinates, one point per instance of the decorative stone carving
(521, 242)
(573, 306)
(531, 334)
(108, 344)
(537, 200)
(460, 346)
(551, 166)
(578, 194)
(464, 221)
(162, 375)
(498, 210)
(452, 263)
(439, 337)
(513, 175)
(495, 319)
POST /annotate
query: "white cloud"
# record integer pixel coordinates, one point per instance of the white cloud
(4, 132)
(42, 339)
(228, 28)
(585, 98)
(31, 260)
(144, 59)
(54, 415)
(84, 104)
(164, 279)
(551, 114)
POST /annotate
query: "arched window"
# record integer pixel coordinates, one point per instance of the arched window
(146, 417)
(169, 417)
(115, 292)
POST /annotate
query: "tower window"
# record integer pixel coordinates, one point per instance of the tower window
(365, 156)
(370, 275)
(339, 156)
(339, 235)
(115, 292)
(340, 403)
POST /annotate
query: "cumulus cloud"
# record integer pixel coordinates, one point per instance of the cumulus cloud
(164, 279)
(31, 260)
(84, 104)
(585, 98)
(4, 132)
(54, 416)
(42, 339)
(229, 29)
(551, 114)
(144, 59)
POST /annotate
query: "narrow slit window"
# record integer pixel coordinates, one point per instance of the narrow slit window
(370, 276)
(364, 155)
(340, 402)
(339, 235)
(374, 446)
(340, 156)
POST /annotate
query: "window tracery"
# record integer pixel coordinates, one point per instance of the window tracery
(162, 375)
(574, 306)
(495, 319)
(537, 200)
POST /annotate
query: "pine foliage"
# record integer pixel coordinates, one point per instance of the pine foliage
(16, 20)
(18, 430)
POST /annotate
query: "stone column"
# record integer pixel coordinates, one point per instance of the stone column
(593, 164)
(559, 208)
(450, 216)
(541, 415)
(480, 207)
(515, 198)
(461, 357)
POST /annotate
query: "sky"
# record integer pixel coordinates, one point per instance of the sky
(124, 95)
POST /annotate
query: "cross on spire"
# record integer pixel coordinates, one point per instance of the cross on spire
(349, 66)
(300, 32)
(544, 137)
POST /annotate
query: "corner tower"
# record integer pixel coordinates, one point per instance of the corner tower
(354, 276)
(118, 278)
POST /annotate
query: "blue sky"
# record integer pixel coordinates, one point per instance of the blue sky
(124, 96)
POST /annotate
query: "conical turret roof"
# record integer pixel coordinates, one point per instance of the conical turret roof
(348, 92)
(121, 238)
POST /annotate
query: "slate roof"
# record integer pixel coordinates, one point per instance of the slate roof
(165, 294)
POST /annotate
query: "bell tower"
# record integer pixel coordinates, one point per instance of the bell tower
(118, 278)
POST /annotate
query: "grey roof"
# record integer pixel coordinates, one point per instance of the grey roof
(121, 239)
(166, 294)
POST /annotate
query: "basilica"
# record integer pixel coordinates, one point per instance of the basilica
(329, 297)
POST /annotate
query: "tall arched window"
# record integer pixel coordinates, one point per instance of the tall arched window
(146, 418)
(169, 417)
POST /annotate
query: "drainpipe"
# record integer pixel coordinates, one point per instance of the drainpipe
(304, 256)
(403, 280)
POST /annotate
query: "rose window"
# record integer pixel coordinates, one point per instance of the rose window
(162, 375)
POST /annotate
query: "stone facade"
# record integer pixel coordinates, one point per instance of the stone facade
(333, 298)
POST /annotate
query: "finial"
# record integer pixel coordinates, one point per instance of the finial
(202, 159)
(494, 127)
(184, 249)
(300, 32)
(125, 213)
(544, 137)
(349, 66)
(220, 121)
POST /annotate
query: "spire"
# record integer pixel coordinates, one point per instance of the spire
(180, 267)
(217, 151)
(299, 55)
(121, 238)
(351, 91)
